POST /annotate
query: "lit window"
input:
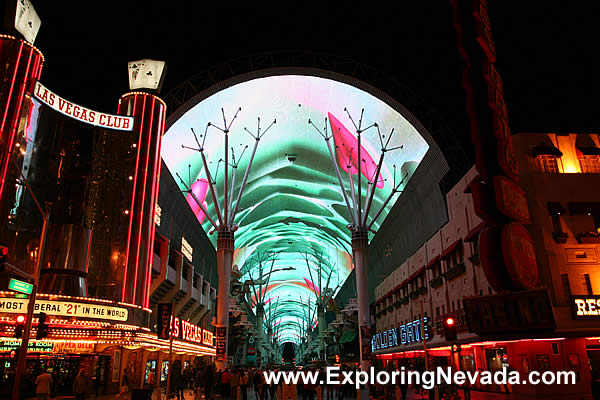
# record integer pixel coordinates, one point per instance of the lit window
(589, 163)
(547, 163)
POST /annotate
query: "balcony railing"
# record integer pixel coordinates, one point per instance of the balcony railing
(437, 281)
(455, 271)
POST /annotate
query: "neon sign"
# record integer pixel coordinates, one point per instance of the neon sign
(585, 307)
(411, 332)
(191, 333)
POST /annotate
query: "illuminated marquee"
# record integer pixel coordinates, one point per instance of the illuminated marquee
(80, 113)
(65, 309)
(405, 334)
(585, 307)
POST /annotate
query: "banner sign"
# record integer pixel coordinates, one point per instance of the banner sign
(221, 342)
(80, 113)
(65, 309)
(163, 320)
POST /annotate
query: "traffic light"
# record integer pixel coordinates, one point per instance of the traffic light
(42, 328)
(19, 326)
(3, 253)
(450, 329)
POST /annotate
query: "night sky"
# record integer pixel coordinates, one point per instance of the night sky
(545, 52)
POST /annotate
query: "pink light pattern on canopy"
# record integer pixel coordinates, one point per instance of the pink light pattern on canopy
(200, 189)
(346, 150)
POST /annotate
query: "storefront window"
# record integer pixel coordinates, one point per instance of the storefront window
(496, 359)
(467, 363)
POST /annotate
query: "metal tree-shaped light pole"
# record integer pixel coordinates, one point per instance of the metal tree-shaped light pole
(322, 294)
(260, 261)
(360, 224)
(226, 216)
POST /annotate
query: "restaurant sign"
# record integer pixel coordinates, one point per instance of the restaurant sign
(585, 307)
(411, 332)
(65, 309)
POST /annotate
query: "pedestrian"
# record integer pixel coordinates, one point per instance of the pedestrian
(124, 386)
(244, 385)
(234, 382)
(81, 385)
(42, 385)
(151, 382)
(226, 384)
(466, 391)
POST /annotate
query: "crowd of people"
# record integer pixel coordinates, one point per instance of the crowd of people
(237, 383)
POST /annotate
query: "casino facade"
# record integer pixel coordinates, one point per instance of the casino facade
(553, 327)
(115, 246)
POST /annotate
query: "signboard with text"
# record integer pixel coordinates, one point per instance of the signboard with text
(65, 309)
(163, 320)
(20, 286)
(221, 342)
(409, 333)
(585, 307)
(515, 312)
(80, 113)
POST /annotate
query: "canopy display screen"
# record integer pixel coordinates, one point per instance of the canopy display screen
(292, 204)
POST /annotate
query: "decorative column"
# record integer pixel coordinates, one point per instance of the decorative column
(360, 254)
(21, 67)
(225, 247)
(149, 113)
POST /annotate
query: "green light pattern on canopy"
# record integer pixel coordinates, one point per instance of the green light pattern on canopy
(292, 202)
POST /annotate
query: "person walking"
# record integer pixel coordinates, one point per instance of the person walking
(234, 382)
(151, 382)
(81, 385)
(42, 385)
(244, 385)
(226, 384)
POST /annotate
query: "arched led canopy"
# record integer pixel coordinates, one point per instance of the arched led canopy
(292, 203)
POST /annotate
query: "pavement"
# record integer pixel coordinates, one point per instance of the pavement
(412, 395)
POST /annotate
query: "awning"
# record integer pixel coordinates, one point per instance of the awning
(432, 262)
(348, 335)
(473, 232)
(450, 248)
(588, 151)
(417, 272)
(547, 149)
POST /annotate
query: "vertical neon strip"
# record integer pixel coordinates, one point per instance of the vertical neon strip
(8, 149)
(151, 207)
(141, 205)
(13, 128)
(137, 160)
(158, 161)
(12, 84)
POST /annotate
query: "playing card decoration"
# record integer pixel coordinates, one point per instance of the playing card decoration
(146, 74)
(27, 21)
